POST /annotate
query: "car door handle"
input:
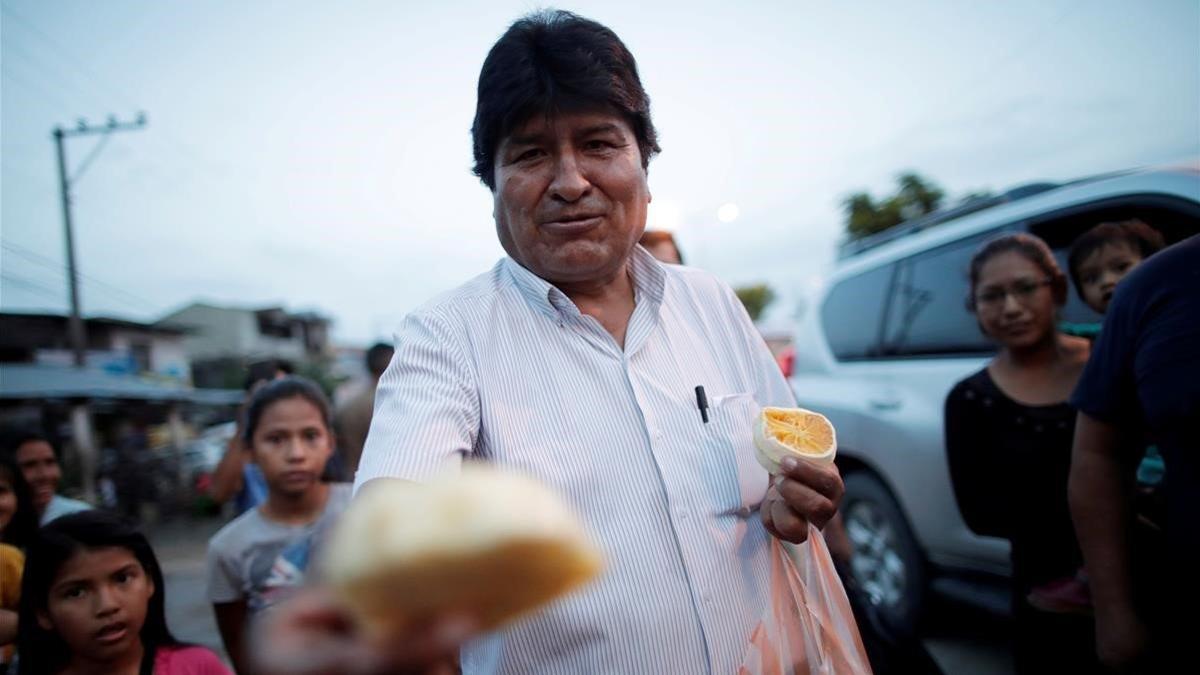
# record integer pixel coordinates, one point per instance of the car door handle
(885, 403)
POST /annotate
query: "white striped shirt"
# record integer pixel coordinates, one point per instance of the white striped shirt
(506, 369)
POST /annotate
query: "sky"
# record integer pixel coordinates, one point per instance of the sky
(317, 155)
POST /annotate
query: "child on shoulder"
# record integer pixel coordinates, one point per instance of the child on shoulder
(1097, 262)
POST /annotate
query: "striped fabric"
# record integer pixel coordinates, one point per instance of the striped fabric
(507, 370)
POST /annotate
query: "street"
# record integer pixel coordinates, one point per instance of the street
(961, 639)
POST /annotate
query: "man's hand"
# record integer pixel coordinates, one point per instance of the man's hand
(313, 634)
(803, 493)
(1121, 640)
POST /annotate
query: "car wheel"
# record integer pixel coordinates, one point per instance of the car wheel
(887, 564)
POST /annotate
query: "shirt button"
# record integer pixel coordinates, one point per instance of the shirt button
(682, 514)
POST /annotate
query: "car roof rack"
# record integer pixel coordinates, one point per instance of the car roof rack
(856, 246)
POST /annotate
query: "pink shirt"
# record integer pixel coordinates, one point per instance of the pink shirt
(188, 661)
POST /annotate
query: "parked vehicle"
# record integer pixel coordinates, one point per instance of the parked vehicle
(889, 337)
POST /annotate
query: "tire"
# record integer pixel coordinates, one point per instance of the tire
(887, 565)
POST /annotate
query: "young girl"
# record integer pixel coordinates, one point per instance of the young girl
(92, 604)
(261, 556)
(18, 517)
(18, 523)
(1009, 432)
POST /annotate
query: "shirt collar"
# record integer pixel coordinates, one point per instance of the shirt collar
(649, 282)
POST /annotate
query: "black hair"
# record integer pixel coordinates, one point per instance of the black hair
(378, 358)
(550, 61)
(24, 523)
(262, 371)
(15, 438)
(1030, 247)
(1138, 235)
(292, 386)
(655, 237)
(43, 651)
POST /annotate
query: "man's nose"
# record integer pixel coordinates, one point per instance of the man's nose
(569, 183)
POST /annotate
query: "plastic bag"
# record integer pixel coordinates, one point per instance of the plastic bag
(808, 628)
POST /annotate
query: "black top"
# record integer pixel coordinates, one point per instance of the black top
(1144, 375)
(1009, 464)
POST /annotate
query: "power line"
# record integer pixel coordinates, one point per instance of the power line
(31, 285)
(94, 81)
(97, 284)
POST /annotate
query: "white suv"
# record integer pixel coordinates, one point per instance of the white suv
(889, 336)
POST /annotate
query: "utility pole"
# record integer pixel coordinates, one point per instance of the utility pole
(81, 415)
(75, 322)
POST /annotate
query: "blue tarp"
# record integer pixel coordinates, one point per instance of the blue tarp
(36, 381)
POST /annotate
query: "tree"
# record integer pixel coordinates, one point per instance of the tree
(755, 298)
(915, 197)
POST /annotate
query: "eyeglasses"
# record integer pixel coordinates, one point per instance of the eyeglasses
(1021, 291)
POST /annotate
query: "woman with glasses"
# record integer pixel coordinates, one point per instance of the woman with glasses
(1009, 431)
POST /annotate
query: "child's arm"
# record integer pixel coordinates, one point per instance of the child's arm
(231, 621)
(227, 477)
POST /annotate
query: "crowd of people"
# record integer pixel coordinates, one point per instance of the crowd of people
(576, 359)
(1091, 538)
(81, 590)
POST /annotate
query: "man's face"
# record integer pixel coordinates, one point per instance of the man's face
(40, 468)
(571, 195)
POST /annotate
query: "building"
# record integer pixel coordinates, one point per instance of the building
(115, 346)
(130, 407)
(220, 341)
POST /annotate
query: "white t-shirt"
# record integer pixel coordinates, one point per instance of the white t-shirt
(262, 561)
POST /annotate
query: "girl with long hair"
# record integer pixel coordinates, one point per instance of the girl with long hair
(92, 603)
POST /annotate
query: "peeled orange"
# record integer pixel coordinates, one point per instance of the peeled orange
(793, 432)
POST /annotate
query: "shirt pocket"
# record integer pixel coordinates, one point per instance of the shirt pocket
(729, 436)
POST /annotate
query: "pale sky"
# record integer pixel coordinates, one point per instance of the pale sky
(317, 155)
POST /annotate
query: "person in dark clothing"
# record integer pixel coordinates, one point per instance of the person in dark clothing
(1144, 378)
(1009, 432)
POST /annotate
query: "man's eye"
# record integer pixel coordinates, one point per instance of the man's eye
(528, 155)
(74, 592)
(1121, 266)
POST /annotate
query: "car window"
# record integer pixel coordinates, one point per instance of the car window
(928, 314)
(1174, 218)
(852, 312)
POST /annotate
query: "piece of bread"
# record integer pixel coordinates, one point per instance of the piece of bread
(488, 543)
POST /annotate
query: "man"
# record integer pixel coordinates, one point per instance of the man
(34, 456)
(577, 359)
(354, 416)
(1143, 379)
